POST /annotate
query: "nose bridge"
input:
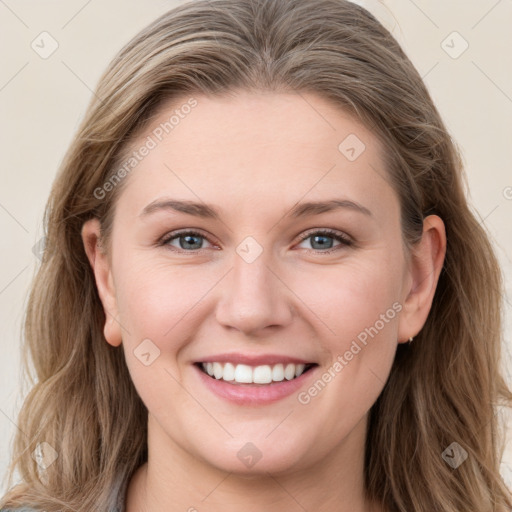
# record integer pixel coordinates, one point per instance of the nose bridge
(252, 296)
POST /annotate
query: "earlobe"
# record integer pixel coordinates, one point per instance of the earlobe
(427, 259)
(101, 267)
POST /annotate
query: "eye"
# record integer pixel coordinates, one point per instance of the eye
(321, 238)
(188, 241)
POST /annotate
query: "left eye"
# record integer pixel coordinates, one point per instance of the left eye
(321, 239)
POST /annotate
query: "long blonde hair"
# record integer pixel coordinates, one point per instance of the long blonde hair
(444, 388)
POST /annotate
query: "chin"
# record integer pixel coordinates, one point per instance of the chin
(252, 460)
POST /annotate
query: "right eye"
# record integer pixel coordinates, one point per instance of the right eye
(188, 241)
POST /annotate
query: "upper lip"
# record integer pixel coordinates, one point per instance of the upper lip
(253, 360)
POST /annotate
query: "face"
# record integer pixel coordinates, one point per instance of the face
(256, 283)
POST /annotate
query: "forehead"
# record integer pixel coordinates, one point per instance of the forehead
(258, 148)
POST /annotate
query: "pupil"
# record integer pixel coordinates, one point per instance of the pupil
(188, 242)
(322, 245)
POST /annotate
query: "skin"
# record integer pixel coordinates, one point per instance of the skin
(254, 156)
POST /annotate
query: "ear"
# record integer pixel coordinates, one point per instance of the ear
(101, 266)
(427, 259)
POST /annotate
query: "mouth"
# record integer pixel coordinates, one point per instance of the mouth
(261, 375)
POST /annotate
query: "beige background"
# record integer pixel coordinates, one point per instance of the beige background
(43, 100)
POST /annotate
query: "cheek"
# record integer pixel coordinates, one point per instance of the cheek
(156, 302)
(357, 311)
(155, 299)
(358, 306)
(349, 297)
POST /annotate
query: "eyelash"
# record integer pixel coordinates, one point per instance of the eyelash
(344, 240)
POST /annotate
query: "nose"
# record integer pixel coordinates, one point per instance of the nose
(254, 297)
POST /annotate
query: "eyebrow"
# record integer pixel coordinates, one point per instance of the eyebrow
(209, 212)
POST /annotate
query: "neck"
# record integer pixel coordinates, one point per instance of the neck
(174, 480)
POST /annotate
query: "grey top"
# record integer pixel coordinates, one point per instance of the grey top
(24, 509)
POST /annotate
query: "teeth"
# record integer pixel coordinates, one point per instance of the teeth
(245, 374)
(278, 373)
(262, 374)
(229, 372)
(289, 372)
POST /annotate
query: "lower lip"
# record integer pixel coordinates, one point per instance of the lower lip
(254, 394)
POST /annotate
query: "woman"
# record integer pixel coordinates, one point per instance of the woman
(263, 287)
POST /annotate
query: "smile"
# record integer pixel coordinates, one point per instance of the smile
(246, 374)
